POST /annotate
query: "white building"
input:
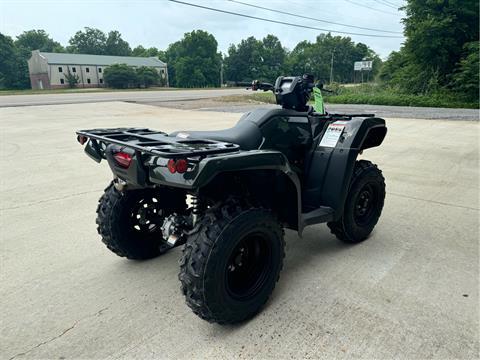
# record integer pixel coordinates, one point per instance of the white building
(47, 70)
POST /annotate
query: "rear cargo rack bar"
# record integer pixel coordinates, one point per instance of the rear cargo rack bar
(157, 143)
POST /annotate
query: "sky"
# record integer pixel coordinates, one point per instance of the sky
(161, 22)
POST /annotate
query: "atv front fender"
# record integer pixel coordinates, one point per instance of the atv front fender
(331, 168)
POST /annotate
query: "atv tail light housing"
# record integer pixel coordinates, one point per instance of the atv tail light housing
(180, 166)
(123, 159)
(82, 139)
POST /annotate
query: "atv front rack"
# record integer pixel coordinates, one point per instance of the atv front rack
(155, 142)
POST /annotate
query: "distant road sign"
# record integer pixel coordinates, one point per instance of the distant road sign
(362, 65)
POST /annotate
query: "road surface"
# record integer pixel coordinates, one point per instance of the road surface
(410, 291)
(408, 112)
(132, 96)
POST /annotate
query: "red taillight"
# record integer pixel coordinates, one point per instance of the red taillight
(82, 139)
(171, 166)
(180, 166)
(123, 159)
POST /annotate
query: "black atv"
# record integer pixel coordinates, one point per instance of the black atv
(227, 195)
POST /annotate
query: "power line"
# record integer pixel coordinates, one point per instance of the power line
(311, 18)
(393, 4)
(388, 4)
(281, 22)
(369, 7)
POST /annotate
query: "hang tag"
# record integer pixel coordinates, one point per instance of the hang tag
(333, 133)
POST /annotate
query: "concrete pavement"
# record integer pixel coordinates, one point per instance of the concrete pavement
(131, 96)
(410, 291)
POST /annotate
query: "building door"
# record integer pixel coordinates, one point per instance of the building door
(40, 84)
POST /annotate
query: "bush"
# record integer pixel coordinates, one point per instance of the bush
(466, 75)
(120, 76)
(147, 76)
(383, 95)
(72, 79)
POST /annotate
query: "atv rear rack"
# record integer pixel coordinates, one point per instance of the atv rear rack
(155, 142)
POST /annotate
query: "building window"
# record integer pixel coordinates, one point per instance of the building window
(162, 71)
(87, 69)
(62, 81)
(101, 81)
(60, 69)
(88, 81)
(74, 69)
(99, 70)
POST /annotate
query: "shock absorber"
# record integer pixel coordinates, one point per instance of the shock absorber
(196, 208)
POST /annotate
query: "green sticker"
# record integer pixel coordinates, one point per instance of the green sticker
(318, 105)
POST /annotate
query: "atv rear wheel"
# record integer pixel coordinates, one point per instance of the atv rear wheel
(363, 205)
(130, 222)
(231, 263)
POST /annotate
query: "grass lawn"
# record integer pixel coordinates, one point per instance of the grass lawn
(370, 94)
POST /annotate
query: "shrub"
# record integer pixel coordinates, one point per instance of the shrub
(120, 76)
(72, 79)
(147, 76)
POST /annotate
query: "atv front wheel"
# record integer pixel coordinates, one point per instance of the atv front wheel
(231, 263)
(363, 205)
(130, 222)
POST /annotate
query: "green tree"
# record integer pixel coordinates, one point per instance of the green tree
(465, 78)
(139, 51)
(72, 79)
(8, 63)
(436, 32)
(91, 41)
(273, 56)
(255, 59)
(194, 61)
(316, 58)
(115, 45)
(391, 69)
(436, 50)
(37, 40)
(120, 76)
(147, 76)
(244, 61)
(143, 52)
(24, 44)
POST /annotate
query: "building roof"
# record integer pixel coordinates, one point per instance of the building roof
(105, 60)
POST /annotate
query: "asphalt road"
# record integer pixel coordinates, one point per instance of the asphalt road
(384, 111)
(410, 291)
(131, 96)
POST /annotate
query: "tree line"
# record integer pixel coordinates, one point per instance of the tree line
(441, 51)
(194, 60)
(440, 54)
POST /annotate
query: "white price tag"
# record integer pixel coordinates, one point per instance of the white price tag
(333, 133)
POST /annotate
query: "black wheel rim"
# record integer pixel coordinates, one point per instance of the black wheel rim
(147, 216)
(365, 204)
(248, 267)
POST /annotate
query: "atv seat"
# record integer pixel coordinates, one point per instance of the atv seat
(245, 134)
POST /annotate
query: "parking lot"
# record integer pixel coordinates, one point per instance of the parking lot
(410, 291)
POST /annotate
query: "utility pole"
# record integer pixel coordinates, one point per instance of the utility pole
(221, 74)
(331, 65)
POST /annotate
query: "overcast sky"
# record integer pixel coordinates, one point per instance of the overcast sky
(160, 22)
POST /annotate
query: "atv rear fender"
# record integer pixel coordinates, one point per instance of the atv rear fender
(202, 173)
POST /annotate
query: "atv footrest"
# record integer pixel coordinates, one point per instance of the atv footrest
(320, 215)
